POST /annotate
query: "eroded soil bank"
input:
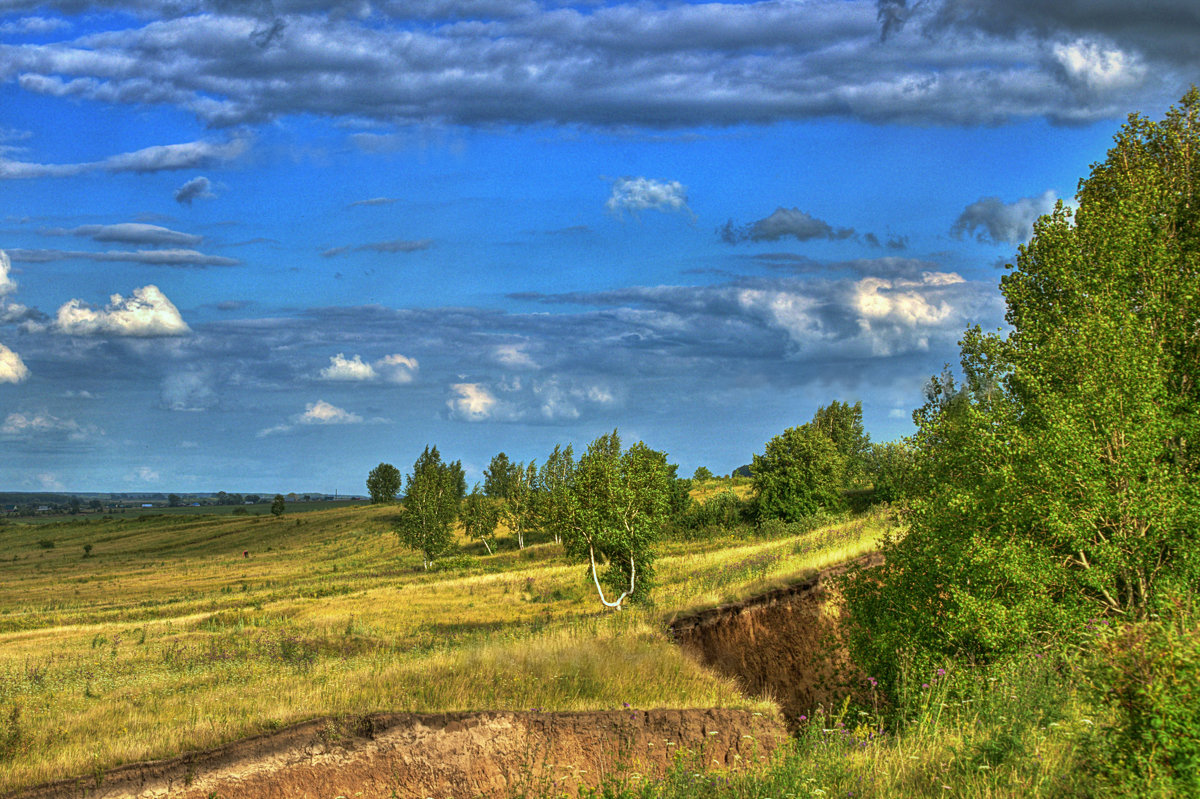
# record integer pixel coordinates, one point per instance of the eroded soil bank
(489, 754)
(783, 644)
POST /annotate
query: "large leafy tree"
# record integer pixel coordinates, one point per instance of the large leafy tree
(617, 505)
(555, 478)
(480, 514)
(1059, 479)
(799, 474)
(383, 483)
(431, 502)
(519, 510)
(843, 423)
(500, 475)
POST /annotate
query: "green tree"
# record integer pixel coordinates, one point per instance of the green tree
(173, 501)
(480, 514)
(500, 477)
(701, 475)
(519, 509)
(383, 483)
(1059, 481)
(617, 506)
(890, 467)
(431, 501)
(800, 474)
(555, 479)
(278, 506)
(843, 423)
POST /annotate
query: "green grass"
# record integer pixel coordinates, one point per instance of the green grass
(167, 638)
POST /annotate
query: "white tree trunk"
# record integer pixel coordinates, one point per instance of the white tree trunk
(616, 604)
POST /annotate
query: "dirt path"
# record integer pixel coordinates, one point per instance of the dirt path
(490, 754)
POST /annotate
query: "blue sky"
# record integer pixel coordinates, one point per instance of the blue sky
(267, 245)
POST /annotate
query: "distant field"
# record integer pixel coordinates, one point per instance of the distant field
(259, 509)
(166, 637)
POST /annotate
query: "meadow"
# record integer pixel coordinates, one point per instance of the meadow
(123, 639)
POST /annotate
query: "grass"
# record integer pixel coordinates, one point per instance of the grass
(168, 637)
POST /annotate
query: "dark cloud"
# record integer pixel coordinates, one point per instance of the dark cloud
(950, 62)
(128, 233)
(198, 188)
(991, 220)
(173, 257)
(784, 223)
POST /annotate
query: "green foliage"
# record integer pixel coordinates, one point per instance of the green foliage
(480, 515)
(278, 506)
(843, 423)
(890, 467)
(519, 509)
(1058, 482)
(501, 476)
(701, 475)
(1150, 674)
(432, 494)
(555, 478)
(614, 514)
(800, 474)
(383, 483)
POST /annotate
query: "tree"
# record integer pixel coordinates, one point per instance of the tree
(1060, 481)
(173, 501)
(480, 515)
(843, 423)
(75, 505)
(617, 506)
(701, 475)
(432, 494)
(799, 474)
(890, 467)
(554, 485)
(519, 509)
(383, 483)
(500, 476)
(278, 506)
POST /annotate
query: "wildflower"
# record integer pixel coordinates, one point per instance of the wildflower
(941, 672)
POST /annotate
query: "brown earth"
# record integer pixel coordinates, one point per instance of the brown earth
(491, 754)
(783, 644)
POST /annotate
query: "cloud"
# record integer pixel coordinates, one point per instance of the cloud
(397, 368)
(188, 392)
(321, 412)
(992, 220)
(142, 474)
(784, 223)
(515, 355)
(198, 188)
(642, 194)
(374, 201)
(393, 246)
(169, 257)
(7, 284)
(12, 368)
(1099, 68)
(159, 158)
(33, 26)
(146, 314)
(471, 403)
(342, 369)
(128, 233)
(25, 425)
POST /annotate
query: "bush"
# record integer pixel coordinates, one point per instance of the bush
(1149, 674)
(46, 543)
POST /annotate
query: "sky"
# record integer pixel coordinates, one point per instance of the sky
(265, 246)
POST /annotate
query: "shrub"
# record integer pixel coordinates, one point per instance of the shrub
(46, 543)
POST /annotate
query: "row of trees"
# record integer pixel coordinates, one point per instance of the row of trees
(608, 509)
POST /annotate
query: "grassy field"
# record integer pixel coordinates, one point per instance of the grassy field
(167, 637)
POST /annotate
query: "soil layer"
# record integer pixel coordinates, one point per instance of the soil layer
(489, 754)
(783, 644)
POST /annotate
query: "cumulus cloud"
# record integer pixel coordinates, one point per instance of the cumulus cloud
(643, 194)
(28, 425)
(128, 233)
(515, 355)
(188, 391)
(198, 188)
(7, 284)
(784, 223)
(393, 368)
(12, 368)
(471, 402)
(167, 257)
(321, 412)
(397, 368)
(1097, 67)
(147, 313)
(150, 159)
(992, 220)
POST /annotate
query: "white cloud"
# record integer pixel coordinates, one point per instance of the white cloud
(341, 368)
(142, 474)
(321, 412)
(188, 391)
(897, 315)
(188, 155)
(128, 233)
(1099, 68)
(515, 355)
(1003, 223)
(7, 284)
(148, 313)
(49, 481)
(474, 403)
(397, 368)
(26, 425)
(12, 368)
(641, 194)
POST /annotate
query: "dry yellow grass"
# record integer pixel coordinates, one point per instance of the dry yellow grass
(168, 639)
